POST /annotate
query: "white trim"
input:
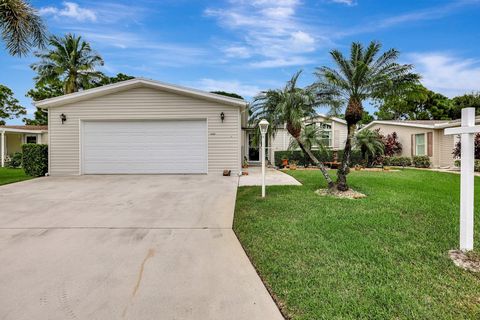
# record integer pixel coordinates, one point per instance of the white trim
(402, 124)
(49, 144)
(2, 150)
(135, 83)
(81, 132)
(23, 130)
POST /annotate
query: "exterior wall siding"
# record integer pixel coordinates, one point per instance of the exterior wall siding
(404, 136)
(144, 103)
(447, 143)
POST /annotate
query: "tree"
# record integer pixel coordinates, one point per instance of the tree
(71, 60)
(471, 100)
(366, 75)
(457, 151)
(366, 119)
(21, 27)
(370, 144)
(291, 106)
(9, 106)
(416, 103)
(54, 88)
(228, 94)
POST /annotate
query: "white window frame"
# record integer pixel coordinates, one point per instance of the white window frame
(326, 128)
(424, 144)
(31, 135)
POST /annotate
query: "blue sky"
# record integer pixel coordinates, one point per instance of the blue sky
(247, 46)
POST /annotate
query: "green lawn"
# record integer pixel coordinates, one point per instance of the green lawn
(383, 257)
(8, 175)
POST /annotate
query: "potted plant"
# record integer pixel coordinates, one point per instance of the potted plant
(285, 162)
(293, 165)
(245, 163)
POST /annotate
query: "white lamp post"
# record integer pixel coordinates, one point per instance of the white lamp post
(263, 130)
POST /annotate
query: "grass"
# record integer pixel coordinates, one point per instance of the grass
(8, 175)
(382, 257)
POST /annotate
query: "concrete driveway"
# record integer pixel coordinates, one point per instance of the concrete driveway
(125, 247)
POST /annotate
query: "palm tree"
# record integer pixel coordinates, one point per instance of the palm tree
(289, 106)
(312, 136)
(21, 27)
(366, 75)
(370, 144)
(71, 60)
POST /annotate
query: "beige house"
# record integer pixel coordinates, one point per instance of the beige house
(334, 132)
(422, 137)
(12, 138)
(142, 126)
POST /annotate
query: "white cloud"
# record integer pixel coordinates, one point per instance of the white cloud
(446, 73)
(234, 86)
(70, 10)
(347, 2)
(267, 31)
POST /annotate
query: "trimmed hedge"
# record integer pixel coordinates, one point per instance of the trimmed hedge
(397, 161)
(322, 156)
(35, 159)
(421, 161)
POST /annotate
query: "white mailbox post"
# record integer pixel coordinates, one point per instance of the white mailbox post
(467, 132)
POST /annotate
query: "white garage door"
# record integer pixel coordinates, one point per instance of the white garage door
(171, 146)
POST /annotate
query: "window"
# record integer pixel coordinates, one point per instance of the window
(31, 139)
(420, 144)
(325, 133)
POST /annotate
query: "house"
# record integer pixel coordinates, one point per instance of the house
(141, 126)
(12, 138)
(334, 134)
(422, 138)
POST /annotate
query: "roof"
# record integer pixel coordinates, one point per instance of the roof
(426, 124)
(136, 83)
(26, 128)
(321, 115)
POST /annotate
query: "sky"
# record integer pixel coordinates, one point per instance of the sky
(246, 46)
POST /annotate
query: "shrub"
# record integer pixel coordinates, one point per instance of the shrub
(15, 161)
(322, 156)
(421, 162)
(397, 161)
(35, 159)
(476, 166)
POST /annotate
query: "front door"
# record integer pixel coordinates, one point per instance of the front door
(253, 151)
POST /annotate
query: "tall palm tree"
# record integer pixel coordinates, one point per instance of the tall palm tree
(370, 144)
(312, 137)
(289, 106)
(71, 60)
(365, 75)
(21, 27)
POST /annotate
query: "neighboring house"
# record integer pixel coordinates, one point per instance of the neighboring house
(334, 131)
(141, 126)
(12, 138)
(422, 138)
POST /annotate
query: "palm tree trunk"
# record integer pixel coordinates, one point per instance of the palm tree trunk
(353, 114)
(316, 162)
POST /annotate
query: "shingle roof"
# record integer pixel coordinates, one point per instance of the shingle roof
(26, 127)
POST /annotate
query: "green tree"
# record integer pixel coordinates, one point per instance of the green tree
(370, 145)
(228, 94)
(471, 100)
(365, 75)
(415, 103)
(21, 27)
(312, 137)
(71, 60)
(291, 106)
(366, 119)
(9, 106)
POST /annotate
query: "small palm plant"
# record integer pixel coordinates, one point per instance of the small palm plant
(370, 144)
(21, 27)
(289, 106)
(71, 60)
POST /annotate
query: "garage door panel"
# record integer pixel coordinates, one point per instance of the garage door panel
(176, 146)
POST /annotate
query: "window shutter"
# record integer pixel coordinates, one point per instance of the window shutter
(412, 145)
(430, 144)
